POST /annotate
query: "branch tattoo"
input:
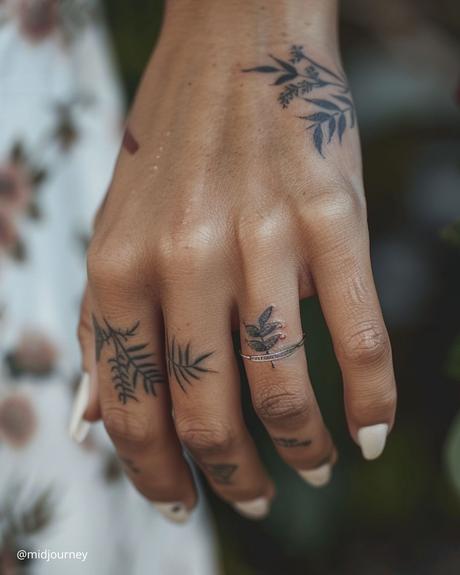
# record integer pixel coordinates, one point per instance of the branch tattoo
(185, 366)
(129, 363)
(262, 336)
(301, 75)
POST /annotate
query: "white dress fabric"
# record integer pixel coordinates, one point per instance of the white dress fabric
(60, 122)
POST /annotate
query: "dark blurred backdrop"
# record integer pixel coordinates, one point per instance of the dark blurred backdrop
(399, 515)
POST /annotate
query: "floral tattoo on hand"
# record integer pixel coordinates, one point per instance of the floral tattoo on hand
(335, 111)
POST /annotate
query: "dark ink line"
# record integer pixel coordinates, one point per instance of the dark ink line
(288, 442)
(129, 363)
(183, 365)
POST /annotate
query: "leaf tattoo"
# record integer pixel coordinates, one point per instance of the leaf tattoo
(129, 364)
(262, 336)
(335, 111)
(184, 366)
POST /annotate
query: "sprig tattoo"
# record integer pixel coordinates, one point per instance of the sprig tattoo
(128, 363)
(302, 75)
(262, 335)
(183, 365)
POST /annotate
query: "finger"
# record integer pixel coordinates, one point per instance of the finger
(281, 391)
(86, 401)
(205, 390)
(343, 277)
(92, 409)
(134, 398)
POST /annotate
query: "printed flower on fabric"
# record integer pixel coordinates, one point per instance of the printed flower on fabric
(20, 180)
(38, 19)
(34, 355)
(17, 420)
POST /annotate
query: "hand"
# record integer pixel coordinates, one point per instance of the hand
(237, 193)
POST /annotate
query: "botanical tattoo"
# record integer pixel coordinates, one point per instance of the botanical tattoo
(335, 111)
(291, 442)
(129, 142)
(130, 465)
(184, 364)
(221, 473)
(262, 335)
(129, 363)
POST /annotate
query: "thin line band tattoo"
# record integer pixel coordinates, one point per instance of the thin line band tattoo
(288, 442)
(129, 363)
(263, 338)
(335, 110)
(183, 365)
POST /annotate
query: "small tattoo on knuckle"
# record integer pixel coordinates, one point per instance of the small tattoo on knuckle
(184, 365)
(334, 111)
(129, 363)
(221, 473)
(288, 442)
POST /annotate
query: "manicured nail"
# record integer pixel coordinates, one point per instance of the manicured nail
(372, 440)
(317, 477)
(176, 512)
(79, 427)
(254, 509)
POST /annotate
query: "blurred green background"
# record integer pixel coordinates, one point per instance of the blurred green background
(399, 515)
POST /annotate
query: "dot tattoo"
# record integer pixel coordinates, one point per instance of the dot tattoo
(221, 473)
(332, 113)
(129, 363)
(185, 366)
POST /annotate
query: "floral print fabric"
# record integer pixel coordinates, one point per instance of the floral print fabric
(60, 118)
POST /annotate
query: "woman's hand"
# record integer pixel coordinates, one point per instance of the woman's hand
(237, 192)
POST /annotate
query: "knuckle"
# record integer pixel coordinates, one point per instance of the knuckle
(275, 404)
(261, 235)
(112, 263)
(206, 439)
(333, 211)
(126, 428)
(368, 344)
(191, 248)
(376, 403)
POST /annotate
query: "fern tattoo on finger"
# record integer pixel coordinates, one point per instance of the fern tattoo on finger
(333, 112)
(130, 363)
(184, 365)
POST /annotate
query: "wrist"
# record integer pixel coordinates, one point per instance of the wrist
(242, 24)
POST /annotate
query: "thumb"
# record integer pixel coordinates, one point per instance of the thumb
(86, 406)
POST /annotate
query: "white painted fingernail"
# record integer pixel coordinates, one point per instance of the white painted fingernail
(176, 511)
(317, 477)
(254, 509)
(79, 427)
(372, 440)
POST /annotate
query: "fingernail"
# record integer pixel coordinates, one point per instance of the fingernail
(317, 477)
(79, 427)
(176, 512)
(254, 509)
(372, 440)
